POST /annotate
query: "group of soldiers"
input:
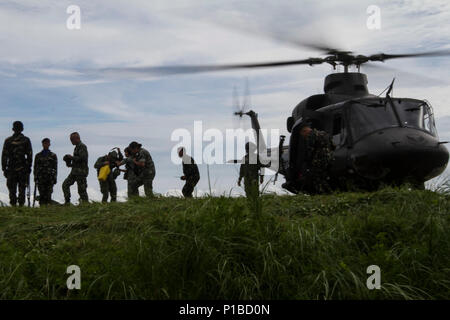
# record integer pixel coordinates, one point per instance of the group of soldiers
(309, 172)
(137, 165)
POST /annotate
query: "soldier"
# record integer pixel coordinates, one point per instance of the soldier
(314, 155)
(190, 173)
(80, 170)
(250, 170)
(144, 172)
(17, 157)
(45, 172)
(108, 186)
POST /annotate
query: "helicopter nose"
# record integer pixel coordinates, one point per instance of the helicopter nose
(400, 153)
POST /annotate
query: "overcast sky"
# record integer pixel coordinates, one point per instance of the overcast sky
(52, 79)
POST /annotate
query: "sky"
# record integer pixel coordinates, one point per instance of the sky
(53, 79)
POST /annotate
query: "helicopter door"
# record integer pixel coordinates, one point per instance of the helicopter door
(339, 137)
(339, 130)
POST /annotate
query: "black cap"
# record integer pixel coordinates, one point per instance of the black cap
(17, 126)
(134, 145)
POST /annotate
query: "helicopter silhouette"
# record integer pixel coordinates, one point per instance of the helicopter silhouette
(378, 140)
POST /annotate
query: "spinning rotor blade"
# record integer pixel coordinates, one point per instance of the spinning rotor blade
(384, 70)
(185, 69)
(383, 57)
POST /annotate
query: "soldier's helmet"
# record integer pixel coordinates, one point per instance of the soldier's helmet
(17, 126)
(67, 160)
(134, 145)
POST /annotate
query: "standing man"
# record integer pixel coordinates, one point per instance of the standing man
(249, 171)
(45, 172)
(108, 186)
(144, 173)
(315, 156)
(17, 157)
(190, 173)
(80, 170)
(130, 171)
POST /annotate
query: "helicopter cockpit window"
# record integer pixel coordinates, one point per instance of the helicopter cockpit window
(369, 117)
(416, 114)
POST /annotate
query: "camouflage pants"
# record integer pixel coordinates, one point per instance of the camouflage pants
(17, 180)
(82, 186)
(45, 192)
(251, 188)
(108, 187)
(134, 182)
(189, 186)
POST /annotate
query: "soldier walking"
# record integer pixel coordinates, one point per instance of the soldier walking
(80, 170)
(17, 157)
(250, 171)
(45, 172)
(108, 186)
(190, 173)
(144, 172)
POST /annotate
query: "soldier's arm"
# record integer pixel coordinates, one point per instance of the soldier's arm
(29, 154)
(241, 172)
(55, 166)
(5, 156)
(82, 155)
(140, 161)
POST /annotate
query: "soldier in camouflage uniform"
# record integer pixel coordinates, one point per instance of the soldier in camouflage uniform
(80, 170)
(250, 171)
(45, 172)
(315, 155)
(190, 173)
(109, 187)
(144, 170)
(17, 157)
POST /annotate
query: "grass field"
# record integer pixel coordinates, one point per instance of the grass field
(292, 247)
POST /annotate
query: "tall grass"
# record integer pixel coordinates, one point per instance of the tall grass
(295, 247)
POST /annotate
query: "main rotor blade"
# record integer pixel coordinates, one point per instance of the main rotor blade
(383, 57)
(185, 69)
(408, 76)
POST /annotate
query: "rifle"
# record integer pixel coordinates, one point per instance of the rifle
(34, 194)
(28, 191)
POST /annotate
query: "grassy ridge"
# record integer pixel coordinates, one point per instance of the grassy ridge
(297, 247)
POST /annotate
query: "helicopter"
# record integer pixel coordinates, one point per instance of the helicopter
(378, 140)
